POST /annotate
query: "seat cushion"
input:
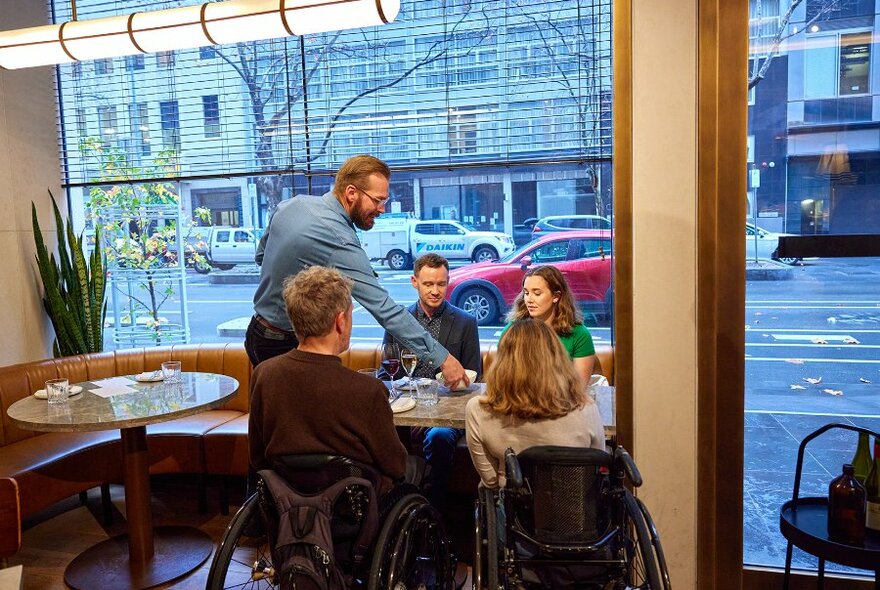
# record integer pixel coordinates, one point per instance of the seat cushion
(226, 448)
(176, 446)
(55, 465)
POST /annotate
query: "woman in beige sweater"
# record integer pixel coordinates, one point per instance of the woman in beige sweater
(533, 397)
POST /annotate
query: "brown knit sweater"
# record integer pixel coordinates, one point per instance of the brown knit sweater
(303, 402)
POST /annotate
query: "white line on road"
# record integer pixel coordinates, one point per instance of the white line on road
(827, 330)
(810, 337)
(799, 413)
(836, 301)
(838, 307)
(812, 346)
(812, 360)
(249, 301)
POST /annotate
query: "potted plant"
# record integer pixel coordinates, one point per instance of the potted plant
(73, 287)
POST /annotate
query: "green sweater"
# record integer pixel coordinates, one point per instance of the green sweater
(578, 344)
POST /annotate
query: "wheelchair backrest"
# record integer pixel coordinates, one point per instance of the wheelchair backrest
(564, 497)
(312, 473)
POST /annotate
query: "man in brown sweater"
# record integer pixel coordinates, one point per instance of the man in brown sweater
(306, 401)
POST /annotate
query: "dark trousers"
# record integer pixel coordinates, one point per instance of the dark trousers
(262, 343)
(439, 448)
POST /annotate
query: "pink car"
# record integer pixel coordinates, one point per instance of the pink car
(487, 289)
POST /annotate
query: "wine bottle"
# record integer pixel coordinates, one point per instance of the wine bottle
(846, 508)
(872, 489)
(862, 459)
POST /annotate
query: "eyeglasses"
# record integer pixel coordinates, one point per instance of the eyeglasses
(379, 201)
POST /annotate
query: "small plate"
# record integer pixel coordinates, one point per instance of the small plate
(472, 375)
(74, 390)
(403, 404)
(149, 377)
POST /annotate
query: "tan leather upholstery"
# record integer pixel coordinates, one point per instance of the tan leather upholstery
(226, 448)
(10, 518)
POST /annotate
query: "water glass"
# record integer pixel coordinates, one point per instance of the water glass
(372, 372)
(427, 392)
(57, 390)
(171, 371)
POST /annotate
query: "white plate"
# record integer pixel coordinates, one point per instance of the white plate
(74, 390)
(403, 404)
(149, 377)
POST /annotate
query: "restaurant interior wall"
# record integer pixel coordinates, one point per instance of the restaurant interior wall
(29, 165)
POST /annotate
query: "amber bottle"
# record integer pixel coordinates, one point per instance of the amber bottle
(846, 508)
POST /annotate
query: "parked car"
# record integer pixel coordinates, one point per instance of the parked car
(522, 232)
(554, 223)
(400, 240)
(227, 246)
(765, 244)
(487, 289)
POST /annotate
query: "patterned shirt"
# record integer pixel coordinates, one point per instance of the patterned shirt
(432, 325)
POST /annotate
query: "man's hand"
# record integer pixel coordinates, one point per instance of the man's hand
(453, 372)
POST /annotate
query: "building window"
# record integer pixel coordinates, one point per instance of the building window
(76, 69)
(103, 66)
(107, 122)
(837, 65)
(462, 133)
(82, 127)
(165, 59)
(170, 117)
(206, 53)
(211, 109)
(134, 62)
(139, 120)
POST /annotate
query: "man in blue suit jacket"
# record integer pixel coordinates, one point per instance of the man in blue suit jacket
(456, 330)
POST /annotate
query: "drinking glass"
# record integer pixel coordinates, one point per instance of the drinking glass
(408, 360)
(57, 391)
(372, 371)
(391, 364)
(171, 371)
(427, 392)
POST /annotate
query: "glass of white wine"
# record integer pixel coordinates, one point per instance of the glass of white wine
(408, 360)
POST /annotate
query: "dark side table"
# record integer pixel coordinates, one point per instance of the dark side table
(804, 524)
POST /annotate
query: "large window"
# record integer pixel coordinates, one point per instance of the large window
(490, 113)
(813, 162)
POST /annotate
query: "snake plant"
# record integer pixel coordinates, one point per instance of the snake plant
(73, 288)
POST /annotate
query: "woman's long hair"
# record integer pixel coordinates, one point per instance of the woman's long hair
(532, 376)
(566, 314)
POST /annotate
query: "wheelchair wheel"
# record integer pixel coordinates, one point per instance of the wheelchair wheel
(641, 543)
(242, 561)
(412, 551)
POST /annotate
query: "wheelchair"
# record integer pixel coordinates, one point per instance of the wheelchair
(410, 549)
(565, 520)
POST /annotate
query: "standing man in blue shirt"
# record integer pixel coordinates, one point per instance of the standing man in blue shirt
(456, 330)
(320, 231)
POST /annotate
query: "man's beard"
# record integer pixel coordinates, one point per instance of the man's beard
(360, 218)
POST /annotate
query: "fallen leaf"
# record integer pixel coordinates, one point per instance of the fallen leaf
(832, 391)
(766, 335)
(819, 341)
(759, 313)
(798, 387)
(832, 320)
(748, 327)
(851, 340)
(795, 361)
(863, 380)
(813, 380)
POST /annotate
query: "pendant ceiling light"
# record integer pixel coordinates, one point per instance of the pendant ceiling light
(212, 23)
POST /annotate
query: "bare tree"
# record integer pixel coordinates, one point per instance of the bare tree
(277, 77)
(763, 52)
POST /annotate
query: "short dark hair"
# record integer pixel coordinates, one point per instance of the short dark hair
(430, 260)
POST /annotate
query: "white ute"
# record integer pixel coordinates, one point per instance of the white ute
(399, 240)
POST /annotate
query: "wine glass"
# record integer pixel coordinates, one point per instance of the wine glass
(408, 360)
(391, 364)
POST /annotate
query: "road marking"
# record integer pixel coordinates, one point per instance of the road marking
(853, 331)
(812, 360)
(811, 337)
(836, 301)
(839, 307)
(799, 412)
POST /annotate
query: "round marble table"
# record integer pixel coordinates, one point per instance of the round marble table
(154, 555)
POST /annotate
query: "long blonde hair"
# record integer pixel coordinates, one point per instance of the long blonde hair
(532, 376)
(566, 314)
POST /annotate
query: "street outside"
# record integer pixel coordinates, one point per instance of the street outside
(821, 325)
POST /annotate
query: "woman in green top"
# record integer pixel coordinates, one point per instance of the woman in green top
(546, 296)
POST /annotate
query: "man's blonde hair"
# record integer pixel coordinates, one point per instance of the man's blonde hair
(356, 170)
(314, 297)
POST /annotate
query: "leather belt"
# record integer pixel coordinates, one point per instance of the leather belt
(265, 323)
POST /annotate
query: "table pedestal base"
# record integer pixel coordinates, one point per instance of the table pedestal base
(178, 551)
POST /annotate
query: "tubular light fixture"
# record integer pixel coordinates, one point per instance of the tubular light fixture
(212, 23)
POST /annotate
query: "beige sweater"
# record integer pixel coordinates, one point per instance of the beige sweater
(489, 435)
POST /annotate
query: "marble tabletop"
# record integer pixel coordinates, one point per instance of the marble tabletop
(147, 403)
(450, 410)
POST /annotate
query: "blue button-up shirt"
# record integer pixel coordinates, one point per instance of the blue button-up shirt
(316, 231)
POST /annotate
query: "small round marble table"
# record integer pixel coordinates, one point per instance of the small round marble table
(154, 555)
